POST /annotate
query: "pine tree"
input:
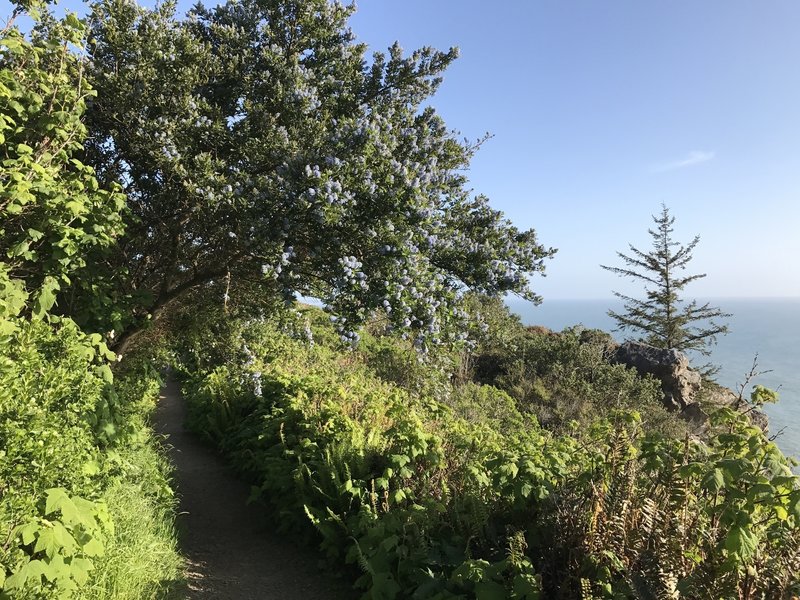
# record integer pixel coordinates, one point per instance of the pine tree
(663, 318)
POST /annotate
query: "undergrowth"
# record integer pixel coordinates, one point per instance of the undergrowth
(85, 505)
(466, 496)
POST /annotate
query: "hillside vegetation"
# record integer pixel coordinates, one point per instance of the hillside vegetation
(431, 485)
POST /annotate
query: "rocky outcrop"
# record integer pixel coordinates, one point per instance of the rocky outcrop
(718, 396)
(681, 384)
(695, 416)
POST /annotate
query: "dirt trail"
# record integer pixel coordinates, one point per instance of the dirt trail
(233, 553)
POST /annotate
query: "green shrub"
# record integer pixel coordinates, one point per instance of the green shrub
(393, 482)
(565, 379)
(68, 438)
(396, 361)
(482, 404)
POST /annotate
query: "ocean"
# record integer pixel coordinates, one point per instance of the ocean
(767, 327)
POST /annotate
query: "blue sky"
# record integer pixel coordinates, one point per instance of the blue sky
(601, 111)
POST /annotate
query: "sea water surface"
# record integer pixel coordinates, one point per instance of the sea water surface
(767, 327)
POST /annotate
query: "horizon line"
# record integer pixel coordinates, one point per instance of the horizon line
(605, 298)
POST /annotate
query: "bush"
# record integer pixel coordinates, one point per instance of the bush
(395, 360)
(482, 404)
(67, 439)
(394, 483)
(565, 379)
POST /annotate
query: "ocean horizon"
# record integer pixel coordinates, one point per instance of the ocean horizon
(767, 327)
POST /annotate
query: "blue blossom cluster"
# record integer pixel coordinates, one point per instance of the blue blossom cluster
(352, 274)
(297, 326)
(255, 377)
(168, 147)
(305, 92)
(313, 171)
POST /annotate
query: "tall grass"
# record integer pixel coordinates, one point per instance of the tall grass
(142, 560)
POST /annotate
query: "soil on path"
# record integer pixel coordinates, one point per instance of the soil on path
(233, 553)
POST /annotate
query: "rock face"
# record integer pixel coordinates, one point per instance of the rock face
(722, 396)
(679, 382)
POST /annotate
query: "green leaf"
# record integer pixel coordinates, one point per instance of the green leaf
(794, 507)
(55, 568)
(46, 297)
(741, 541)
(75, 207)
(52, 539)
(55, 498)
(489, 590)
(79, 569)
(73, 21)
(19, 249)
(28, 532)
(91, 467)
(31, 570)
(526, 587)
(105, 372)
(93, 548)
(7, 327)
(714, 481)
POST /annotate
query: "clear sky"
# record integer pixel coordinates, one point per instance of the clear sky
(601, 111)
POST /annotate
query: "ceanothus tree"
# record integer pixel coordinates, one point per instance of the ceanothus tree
(256, 143)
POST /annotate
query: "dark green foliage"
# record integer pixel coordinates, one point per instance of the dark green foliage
(565, 379)
(263, 156)
(397, 361)
(49, 392)
(396, 485)
(53, 213)
(479, 404)
(65, 438)
(663, 320)
(67, 434)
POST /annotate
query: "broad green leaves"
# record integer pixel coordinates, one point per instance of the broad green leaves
(762, 395)
(433, 504)
(741, 542)
(63, 544)
(53, 213)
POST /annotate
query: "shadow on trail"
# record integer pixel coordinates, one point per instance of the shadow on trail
(232, 552)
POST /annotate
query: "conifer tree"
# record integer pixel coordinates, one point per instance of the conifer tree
(663, 318)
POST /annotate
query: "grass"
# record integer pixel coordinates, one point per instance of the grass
(142, 561)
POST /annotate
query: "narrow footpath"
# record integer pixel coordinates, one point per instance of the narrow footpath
(233, 554)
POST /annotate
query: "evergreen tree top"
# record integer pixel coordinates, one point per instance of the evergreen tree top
(663, 319)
